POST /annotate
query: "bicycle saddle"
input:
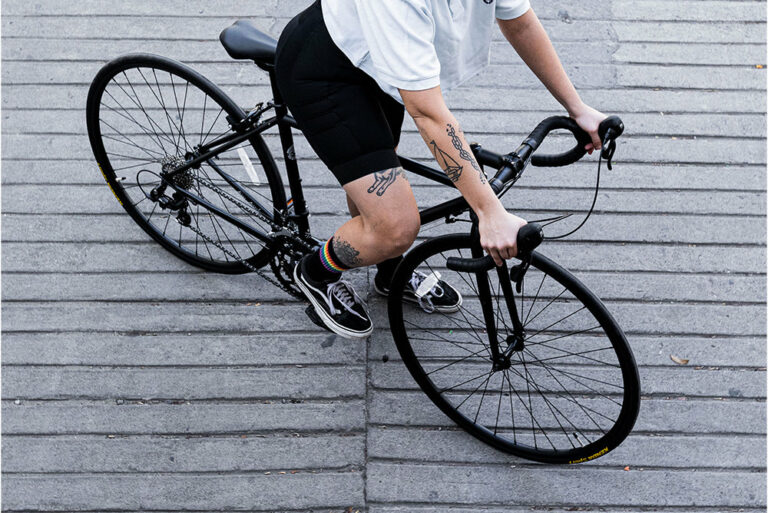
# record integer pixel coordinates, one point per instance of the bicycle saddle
(243, 40)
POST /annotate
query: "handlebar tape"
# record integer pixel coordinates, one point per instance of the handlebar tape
(528, 238)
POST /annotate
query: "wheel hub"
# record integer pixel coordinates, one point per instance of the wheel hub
(515, 344)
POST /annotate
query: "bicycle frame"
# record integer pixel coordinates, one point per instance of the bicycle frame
(510, 167)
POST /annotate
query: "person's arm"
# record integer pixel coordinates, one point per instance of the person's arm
(531, 42)
(440, 130)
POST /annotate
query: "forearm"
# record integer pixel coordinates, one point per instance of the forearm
(531, 42)
(448, 145)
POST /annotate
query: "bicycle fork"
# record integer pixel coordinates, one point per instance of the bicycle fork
(515, 341)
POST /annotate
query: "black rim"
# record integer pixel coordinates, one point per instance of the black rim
(147, 115)
(571, 391)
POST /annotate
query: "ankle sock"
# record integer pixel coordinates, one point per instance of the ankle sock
(324, 265)
(386, 270)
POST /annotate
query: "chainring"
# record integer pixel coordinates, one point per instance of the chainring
(283, 262)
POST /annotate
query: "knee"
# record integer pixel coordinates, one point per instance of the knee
(398, 232)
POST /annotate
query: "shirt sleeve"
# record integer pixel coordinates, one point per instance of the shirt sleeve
(400, 35)
(511, 9)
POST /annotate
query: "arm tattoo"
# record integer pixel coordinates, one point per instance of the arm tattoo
(448, 163)
(348, 255)
(462, 152)
(383, 179)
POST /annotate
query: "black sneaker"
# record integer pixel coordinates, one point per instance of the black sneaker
(427, 291)
(337, 304)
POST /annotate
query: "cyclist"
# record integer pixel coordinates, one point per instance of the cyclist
(348, 69)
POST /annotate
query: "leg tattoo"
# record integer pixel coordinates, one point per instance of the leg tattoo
(383, 179)
(348, 255)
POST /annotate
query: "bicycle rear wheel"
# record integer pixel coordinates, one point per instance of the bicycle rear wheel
(571, 392)
(147, 115)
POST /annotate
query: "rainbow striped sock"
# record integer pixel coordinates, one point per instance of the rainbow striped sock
(330, 261)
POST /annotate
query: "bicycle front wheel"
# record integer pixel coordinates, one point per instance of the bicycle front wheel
(148, 115)
(569, 393)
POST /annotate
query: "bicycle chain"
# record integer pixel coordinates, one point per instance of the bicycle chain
(257, 214)
(238, 203)
(246, 264)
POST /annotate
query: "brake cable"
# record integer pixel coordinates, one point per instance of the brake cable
(609, 148)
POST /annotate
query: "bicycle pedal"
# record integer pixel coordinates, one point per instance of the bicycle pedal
(310, 311)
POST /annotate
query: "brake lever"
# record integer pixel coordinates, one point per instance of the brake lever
(609, 149)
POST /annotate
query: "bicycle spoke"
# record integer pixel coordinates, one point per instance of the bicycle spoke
(546, 306)
(534, 422)
(137, 102)
(566, 355)
(449, 341)
(461, 311)
(570, 375)
(572, 399)
(498, 408)
(171, 123)
(224, 203)
(482, 397)
(504, 377)
(465, 382)
(151, 153)
(454, 362)
(129, 117)
(533, 303)
(202, 123)
(557, 322)
(572, 333)
(205, 139)
(549, 404)
(569, 353)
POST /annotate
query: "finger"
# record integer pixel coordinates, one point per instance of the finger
(509, 252)
(496, 257)
(596, 142)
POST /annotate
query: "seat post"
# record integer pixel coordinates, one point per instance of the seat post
(289, 154)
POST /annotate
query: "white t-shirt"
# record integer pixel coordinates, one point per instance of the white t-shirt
(417, 44)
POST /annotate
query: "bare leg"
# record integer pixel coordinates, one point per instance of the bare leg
(353, 210)
(385, 222)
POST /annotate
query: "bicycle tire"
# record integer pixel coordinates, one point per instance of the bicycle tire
(97, 108)
(423, 366)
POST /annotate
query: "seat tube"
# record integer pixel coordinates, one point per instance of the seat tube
(289, 154)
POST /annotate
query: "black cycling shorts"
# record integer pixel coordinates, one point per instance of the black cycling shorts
(351, 124)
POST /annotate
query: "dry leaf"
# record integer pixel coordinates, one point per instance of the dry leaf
(626, 469)
(678, 360)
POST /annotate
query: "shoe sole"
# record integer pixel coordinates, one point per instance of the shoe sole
(327, 319)
(441, 309)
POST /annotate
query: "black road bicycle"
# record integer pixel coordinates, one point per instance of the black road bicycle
(532, 363)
